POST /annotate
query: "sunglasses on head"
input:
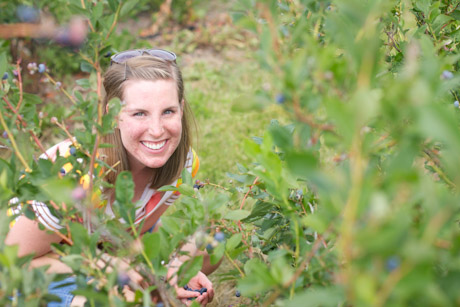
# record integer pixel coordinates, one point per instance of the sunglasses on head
(123, 56)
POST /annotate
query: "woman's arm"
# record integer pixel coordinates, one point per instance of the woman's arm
(30, 239)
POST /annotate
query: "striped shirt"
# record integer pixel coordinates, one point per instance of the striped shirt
(145, 206)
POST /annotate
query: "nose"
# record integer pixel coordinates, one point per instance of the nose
(156, 128)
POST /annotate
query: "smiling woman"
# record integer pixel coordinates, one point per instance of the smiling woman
(150, 123)
(152, 140)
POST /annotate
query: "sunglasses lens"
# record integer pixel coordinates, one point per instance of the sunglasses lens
(126, 55)
(162, 54)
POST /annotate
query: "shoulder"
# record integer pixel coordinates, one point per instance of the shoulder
(63, 148)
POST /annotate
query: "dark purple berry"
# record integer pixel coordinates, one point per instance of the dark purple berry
(209, 248)
(197, 186)
(108, 54)
(280, 98)
(237, 293)
(5, 135)
(203, 290)
(392, 263)
(5, 76)
(62, 171)
(73, 150)
(123, 279)
(219, 236)
(27, 13)
(41, 68)
(186, 287)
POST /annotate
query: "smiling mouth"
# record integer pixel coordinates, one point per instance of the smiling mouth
(154, 146)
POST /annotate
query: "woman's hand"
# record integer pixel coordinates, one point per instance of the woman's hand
(198, 282)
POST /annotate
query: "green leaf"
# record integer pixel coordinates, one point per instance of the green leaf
(234, 241)
(113, 4)
(217, 253)
(128, 6)
(74, 261)
(168, 188)
(152, 244)
(186, 189)
(302, 164)
(84, 83)
(189, 269)
(259, 210)
(124, 187)
(237, 215)
(186, 177)
(318, 296)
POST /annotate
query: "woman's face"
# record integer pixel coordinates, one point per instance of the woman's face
(150, 122)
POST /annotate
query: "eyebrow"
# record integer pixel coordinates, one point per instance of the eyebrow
(125, 109)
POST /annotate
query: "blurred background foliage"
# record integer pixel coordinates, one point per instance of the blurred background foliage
(328, 138)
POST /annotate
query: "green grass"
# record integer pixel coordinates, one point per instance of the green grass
(217, 89)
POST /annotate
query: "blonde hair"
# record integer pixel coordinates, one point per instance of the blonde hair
(148, 68)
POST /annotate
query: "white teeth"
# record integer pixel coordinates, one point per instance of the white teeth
(154, 146)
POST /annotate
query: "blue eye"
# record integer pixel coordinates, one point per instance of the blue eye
(169, 112)
(138, 114)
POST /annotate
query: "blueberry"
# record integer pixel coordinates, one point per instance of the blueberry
(123, 279)
(219, 236)
(447, 75)
(186, 287)
(203, 290)
(209, 248)
(5, 135)
(280, 98)
(456, 103)
(237, 293)
(62, 171)
(197, 186)
(108, 54)
(5, 76)
(392, 263)
(73, 150)
(41, 68)
(26, 13)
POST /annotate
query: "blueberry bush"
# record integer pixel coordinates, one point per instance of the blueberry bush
(351, 201)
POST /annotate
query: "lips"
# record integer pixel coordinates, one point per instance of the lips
(154, 145)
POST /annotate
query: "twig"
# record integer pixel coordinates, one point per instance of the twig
(247, 193)
(390, 36)
(115, 20)
(13, 143)
(440, 172)
(234, 264)
(307, 119)
(18, 69)
(60, 88)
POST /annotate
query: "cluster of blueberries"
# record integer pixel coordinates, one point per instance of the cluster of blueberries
(201, 291)
(198, 185)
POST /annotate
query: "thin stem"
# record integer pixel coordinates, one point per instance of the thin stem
(234, 264)
(18, 69)
(440, 172)
(60, 88)
(13, 143)
(115, 20)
